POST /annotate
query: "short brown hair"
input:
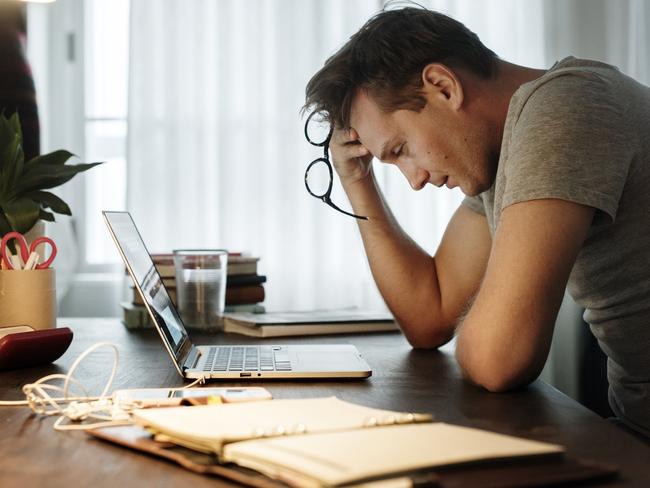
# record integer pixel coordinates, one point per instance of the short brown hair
(386, 57)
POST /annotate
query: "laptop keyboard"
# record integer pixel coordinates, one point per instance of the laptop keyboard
(247, 358)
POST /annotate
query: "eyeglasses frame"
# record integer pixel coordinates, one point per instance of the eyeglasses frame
(325, 198)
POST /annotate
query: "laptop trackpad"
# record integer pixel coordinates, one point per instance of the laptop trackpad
(327, 361)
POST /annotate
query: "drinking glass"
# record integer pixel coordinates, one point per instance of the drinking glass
(201, 287)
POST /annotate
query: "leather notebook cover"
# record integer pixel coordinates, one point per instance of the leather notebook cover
(135, 437)
(522, 473)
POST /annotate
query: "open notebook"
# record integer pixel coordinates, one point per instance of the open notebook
(210, 427)
(326, 441)
(343, 457)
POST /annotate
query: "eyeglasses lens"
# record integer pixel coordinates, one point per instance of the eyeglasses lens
(317, 129)
(318, 178)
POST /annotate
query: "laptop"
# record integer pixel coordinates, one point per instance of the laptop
(222, 361)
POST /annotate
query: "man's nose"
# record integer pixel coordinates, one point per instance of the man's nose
(417, 177)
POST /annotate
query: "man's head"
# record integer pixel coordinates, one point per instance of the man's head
(403, 76)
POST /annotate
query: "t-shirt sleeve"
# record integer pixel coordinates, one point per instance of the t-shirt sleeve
(571, 141)
(475, 204)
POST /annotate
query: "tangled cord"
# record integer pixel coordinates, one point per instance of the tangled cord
(79, 408)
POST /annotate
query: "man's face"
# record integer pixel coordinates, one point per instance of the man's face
(438, 145)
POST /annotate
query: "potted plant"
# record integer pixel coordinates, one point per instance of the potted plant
(23, 199)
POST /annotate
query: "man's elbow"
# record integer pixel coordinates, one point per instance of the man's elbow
(426, 335)
(495, 375)
(500, 381)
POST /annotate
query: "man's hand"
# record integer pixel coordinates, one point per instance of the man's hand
(350, 158)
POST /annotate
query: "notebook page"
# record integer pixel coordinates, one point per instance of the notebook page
(213, 425)
(352, 456)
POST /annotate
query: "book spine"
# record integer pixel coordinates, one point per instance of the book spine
(167, 270)
(245, 294)
(245, 280)
(245, 308)
(237, 269)
(242, 295)
(135, 316)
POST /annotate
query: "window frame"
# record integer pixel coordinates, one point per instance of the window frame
(56, 50)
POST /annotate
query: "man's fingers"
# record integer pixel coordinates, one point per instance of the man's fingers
(352, 151)
(349, 140)
(351, 158)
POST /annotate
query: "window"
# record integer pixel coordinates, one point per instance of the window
(105, 55)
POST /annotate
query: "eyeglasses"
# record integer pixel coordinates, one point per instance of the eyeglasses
(319, 176)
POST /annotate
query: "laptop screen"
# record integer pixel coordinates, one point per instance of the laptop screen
(148, 281)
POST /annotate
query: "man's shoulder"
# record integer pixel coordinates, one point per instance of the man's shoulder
(570, 84)
(561, 134)
(574, 71)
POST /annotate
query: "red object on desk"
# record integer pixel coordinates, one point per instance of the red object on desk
(25, 251)
(26, 349)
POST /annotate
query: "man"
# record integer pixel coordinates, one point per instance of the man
(555, 166)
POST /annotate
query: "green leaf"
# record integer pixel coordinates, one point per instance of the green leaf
(12, 156)
(9, 130)
(56, 157)
(50, 200)
(16, 161)
(42, 177)
(22, 213)
(10, 150)
(43, 215)
(22, 199)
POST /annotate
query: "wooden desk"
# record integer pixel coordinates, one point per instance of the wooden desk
(32, 454)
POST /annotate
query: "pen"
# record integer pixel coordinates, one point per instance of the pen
(16, 262)
(32, 261)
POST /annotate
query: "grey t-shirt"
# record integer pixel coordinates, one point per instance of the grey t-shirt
(581, 133)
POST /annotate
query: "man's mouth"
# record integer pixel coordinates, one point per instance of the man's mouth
(441, 183)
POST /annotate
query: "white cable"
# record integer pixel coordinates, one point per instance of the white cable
(198, 381)
(40, 396)
(80, 407)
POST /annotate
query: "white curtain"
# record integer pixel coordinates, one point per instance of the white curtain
(614, 31)
(216, 153)
(216, 148)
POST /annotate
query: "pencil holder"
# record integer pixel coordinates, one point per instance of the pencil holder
(28, 298)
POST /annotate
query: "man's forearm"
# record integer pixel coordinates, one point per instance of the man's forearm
(405, 274)
(505, 338)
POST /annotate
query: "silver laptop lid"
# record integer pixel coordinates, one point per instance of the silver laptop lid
(150, 286)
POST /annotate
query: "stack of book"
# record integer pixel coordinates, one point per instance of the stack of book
(244, 288)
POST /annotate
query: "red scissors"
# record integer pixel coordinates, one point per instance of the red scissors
(24, 251)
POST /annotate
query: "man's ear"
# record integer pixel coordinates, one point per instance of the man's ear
(441, 83)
